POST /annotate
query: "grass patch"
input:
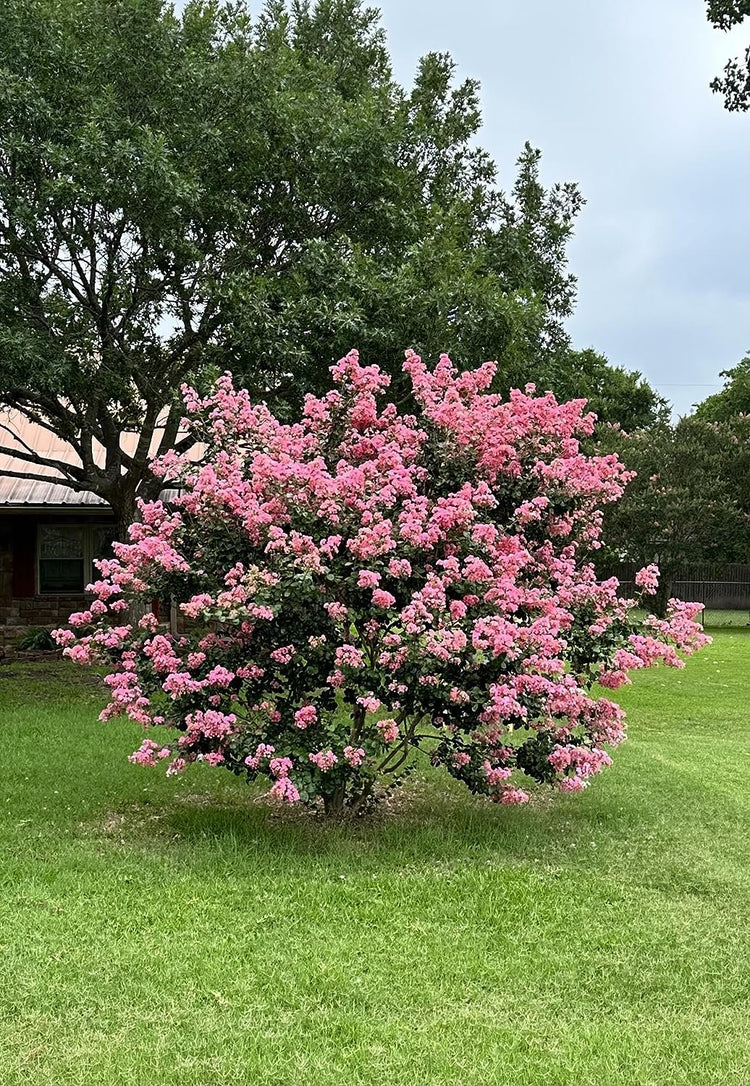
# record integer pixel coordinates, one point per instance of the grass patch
(177, 932)
(713, 618)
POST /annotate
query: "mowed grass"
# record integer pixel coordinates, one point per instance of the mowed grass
(713, 618)
(159, 932)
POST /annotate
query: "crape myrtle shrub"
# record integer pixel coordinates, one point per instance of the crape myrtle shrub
(364, 582)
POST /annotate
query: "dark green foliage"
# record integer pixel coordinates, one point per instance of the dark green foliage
(36, 638)
(734, 398)
(533, 758)
(735, 83)
(616, 395)
(688, 502)
(724, 14)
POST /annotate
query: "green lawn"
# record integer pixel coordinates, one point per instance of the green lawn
(714, 618)
(156, 931)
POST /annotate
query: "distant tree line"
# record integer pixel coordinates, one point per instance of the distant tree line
(690, 500)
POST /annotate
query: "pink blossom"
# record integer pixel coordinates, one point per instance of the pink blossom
(399, 567)
(148, 753)
(305, 716)
(262, 752)
(323, 759)
(586, 762)
(349, 656)
(249, 671)
(280, 767)
(355, 757)
(495, 774)
(197, 605)
(208, 724)
(381, 598)
(388, 729)
(283, 655)
(336, 611)
(648, 579)
(512, 796)
(573, 784)
(213, 757)
(369, 702)
(219, 676)
(284, 791)
(81, 618)
(368, 579)
(613, 679)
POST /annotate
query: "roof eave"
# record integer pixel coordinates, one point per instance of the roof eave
(89, 507)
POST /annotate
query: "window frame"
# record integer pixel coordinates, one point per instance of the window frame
(88, 528)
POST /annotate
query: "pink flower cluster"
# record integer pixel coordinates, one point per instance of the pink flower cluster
(389, 730)
(355, 757)
(262, 752)
(648, 579)
(583, 761)
(433, 567)
(323, 759)
(148, 753)
(305, 716)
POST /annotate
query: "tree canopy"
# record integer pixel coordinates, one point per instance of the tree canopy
(734, 398)
(735, 82)
(181, 195)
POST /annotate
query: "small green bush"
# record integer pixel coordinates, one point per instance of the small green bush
(35, 638)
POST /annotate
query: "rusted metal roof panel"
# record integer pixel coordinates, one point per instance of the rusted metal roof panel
(19, 433)
(35, 492)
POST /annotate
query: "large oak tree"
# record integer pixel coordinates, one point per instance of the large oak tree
(182, 194)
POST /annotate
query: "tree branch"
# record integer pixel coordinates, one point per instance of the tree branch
(42, 462)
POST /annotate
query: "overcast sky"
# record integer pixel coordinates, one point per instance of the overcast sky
(616, 96)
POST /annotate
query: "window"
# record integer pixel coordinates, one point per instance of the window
(66, 555)
(60, 559)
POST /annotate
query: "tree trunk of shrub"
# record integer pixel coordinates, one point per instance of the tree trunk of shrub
(333, 803)
(662, 597)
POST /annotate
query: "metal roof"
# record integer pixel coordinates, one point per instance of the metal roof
(19, 432)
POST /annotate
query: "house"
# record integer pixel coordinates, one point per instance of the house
(49, 534)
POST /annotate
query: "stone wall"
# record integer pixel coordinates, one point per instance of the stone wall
(16, 616)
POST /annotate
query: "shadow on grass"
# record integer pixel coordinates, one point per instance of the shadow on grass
(431, 822)
(628, 820)
(606, 844)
